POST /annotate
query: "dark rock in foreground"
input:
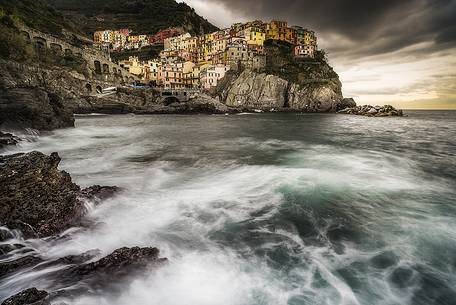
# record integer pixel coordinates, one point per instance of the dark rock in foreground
(97, 193)
(31, 296)
(37, 198)
(93, 276)
(18, 264)
(114, 267)
(374, 111)
(33, 108)
(8, 139)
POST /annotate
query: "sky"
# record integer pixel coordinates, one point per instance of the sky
(398, 52)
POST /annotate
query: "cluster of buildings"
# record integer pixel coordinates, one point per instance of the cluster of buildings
(120, 40)
(200, 62)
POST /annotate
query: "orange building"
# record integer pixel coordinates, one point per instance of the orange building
(276, 30)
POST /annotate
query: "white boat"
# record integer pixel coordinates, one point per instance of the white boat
(109, 89)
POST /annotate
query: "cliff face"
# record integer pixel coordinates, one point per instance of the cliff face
(253, 90)
(286, 84)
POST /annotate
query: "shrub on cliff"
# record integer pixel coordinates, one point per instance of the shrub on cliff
(13, 46)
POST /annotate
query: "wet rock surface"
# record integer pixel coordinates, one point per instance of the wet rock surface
(39, 199)
(98, 275)
(31, 296)
(7, 139)
(97, 193)
(113, 267)
(372, 111)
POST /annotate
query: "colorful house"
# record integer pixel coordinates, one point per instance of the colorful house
(172, 75)
(290, 35)
(98, 37)
(154, 67)
(177, 42)
(276, 30)
(255, 35)
(212, 74)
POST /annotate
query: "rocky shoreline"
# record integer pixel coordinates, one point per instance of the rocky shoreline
(40, 201)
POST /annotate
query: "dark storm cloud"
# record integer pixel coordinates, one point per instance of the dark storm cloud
(374, 27)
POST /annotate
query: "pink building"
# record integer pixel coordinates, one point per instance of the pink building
(125, 32)
(171, 75)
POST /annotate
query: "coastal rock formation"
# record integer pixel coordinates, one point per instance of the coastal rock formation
(97, 193)
(376, 111)
(37, 198)
(35, 97)
(31, 296)
(12, 266)
(285, 84)
(97, 275)
(204, 103)
(113, 267)
(8, 139)
(33, 108)
(252, 90)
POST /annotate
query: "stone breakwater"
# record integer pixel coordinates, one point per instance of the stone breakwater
(40, 201)
(372, 111)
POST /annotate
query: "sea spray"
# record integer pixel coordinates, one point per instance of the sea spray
(265, 209)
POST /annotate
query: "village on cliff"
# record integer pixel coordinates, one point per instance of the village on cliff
(200, 62)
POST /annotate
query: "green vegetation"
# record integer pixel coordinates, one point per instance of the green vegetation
(281, 62)
(143, 54)
(13, 46)
(142, 16)
(35, 14)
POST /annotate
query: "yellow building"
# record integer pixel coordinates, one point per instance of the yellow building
(188, 73)
(134, 66)
(133, 38)
(177, 42)
(190, 44)
(255, 35)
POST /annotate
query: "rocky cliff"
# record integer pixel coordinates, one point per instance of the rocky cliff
(252, 90)
(286, 84)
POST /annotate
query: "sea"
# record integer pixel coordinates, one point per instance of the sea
(264, 209)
